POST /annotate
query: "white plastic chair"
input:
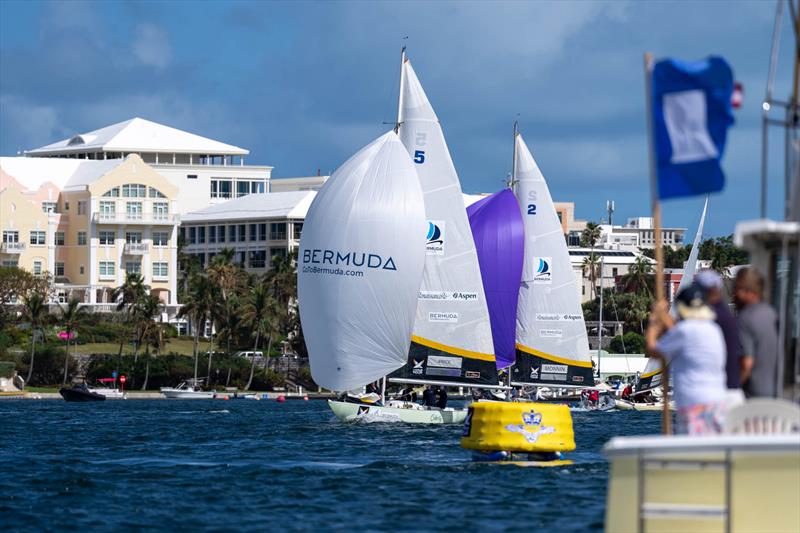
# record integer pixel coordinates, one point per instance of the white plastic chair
(763, 416)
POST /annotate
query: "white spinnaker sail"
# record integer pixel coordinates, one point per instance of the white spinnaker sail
(552, 345)
(360, 267)
(651, 378)
(452, 316)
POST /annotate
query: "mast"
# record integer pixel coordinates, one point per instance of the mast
(600, 326)
(514, 156)
(400, 95)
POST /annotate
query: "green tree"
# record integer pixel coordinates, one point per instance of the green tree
(589, 237)
(151, 330)
(591, 267)
(34, 312)
(73, 316)
(631, 342)
(197, 306)
(128, 296)
(639, 276)
(261, 315)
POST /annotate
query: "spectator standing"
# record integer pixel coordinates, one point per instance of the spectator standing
(758, 330)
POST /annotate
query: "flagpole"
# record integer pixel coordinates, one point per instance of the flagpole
(648, 74)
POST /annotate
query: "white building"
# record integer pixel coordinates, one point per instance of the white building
(311, 183)
(204, 171)
(614, 262)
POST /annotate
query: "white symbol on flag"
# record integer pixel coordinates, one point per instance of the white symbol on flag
(685, 118)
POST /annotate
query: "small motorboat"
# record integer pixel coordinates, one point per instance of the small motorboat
(189, 389)
(106, 387)
(80, 393)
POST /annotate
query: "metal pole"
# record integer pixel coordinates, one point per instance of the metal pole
(767, 104)
(648, 74)
(400, 96)
(383, 390)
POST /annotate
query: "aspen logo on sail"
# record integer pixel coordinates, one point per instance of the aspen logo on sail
(435, 244)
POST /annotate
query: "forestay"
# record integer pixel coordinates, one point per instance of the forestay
(360, 267)
(552, 346)
(452, 339)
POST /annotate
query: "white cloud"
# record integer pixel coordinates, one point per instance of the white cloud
(151, 46)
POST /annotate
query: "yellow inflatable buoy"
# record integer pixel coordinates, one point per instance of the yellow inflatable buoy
(505, 430)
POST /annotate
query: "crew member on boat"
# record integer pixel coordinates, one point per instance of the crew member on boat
(694, 347)
(441, 397)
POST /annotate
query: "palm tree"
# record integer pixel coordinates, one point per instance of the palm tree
(228, 322)
(128, 296)
(638, 275)
(34, 312)
(260, 313)
(589, 237)
(591, 264)
(72, 317)
(150, 308)
(197, 306)
(225, 274)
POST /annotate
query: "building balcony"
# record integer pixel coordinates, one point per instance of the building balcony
(12, 247)
(136, 248)
(154, 219)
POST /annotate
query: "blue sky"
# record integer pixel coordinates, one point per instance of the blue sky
(303, 85)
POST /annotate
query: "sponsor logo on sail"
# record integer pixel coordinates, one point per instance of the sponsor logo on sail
(554, 369)
(534, 372)
(417, 367)
(557, 317)
(470, 374)
(551, 333)
(448, 296)
(337, 259)
(435, 243)
(542, 273)
(444, 362)
(577, 379)
(443, 317)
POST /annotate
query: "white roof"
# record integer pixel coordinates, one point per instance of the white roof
(139, 135)
(291, 204)
(66, 174)
(288, 204)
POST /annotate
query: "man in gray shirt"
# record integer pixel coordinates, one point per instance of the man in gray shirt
(758, 329)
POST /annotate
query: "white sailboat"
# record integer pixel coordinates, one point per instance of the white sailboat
(360, 268)
(552, 344)
(651, 376)
(452, 339)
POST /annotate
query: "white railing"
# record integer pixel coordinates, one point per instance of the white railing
(12, 247)
(135, 218)
(136, 248)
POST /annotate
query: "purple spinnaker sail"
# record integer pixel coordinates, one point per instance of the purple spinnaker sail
(499, 239)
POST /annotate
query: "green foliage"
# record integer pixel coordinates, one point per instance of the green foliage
(631, 342)
(630, 308)
(721, 251)
(7, 369)
(48, 368)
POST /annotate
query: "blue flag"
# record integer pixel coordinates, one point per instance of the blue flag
(691, 116)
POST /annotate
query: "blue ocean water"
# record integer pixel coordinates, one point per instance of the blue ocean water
(244, 465)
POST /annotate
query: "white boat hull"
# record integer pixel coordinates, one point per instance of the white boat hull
(110, 394)
(350, 412)
(180, 394)
(625, 405)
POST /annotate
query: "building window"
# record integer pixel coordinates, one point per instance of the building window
(201, 235)
(212, 234)
(106, 269)
(258, 259)
(253, 235)
(192, 235)
(160, 238)
(583, 290)
(133, 237)
(221, 232)
(81, 238)
(133, 210)
(106, 238)
(231, 233)
(66, 206)
(11, 236)
(133, 267)
(37, 268)
(160, 210)
(277, 252)
(108, 210)
(37, 237)
(297, 230)
(59, 269)
(113, 192)
(191, 176)
(59, 238)
(614, 271)
(277, 231)
(221, 188)
(49, 207)
(201, 259)
(155, 193)
(242, 188)
(81, 270)
(160, 269)
(81, 207)
(257, 187)
(134, 190)
(10, 263)
(239, 258)
(242, 231)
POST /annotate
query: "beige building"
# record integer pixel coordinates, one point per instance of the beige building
(88, 223)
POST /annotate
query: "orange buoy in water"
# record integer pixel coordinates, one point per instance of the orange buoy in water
(281, 398)
(305, 398)
(226, 398)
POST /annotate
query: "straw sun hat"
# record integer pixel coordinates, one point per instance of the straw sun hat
(691, 304)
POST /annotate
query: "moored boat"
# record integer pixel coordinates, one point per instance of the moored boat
(106, 388)
(80, 393)
(188, 390)
(396, 411)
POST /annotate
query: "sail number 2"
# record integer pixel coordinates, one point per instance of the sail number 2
(531, 209)
(419, 155)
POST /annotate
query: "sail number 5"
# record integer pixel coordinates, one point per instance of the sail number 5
(419, 156)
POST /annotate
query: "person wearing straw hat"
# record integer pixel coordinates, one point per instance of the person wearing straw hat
(694, 348)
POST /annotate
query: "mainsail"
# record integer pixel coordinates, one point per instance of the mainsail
(360, 267)
(452, 339)
(552, 346)
(500, 240)
(651, 377)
